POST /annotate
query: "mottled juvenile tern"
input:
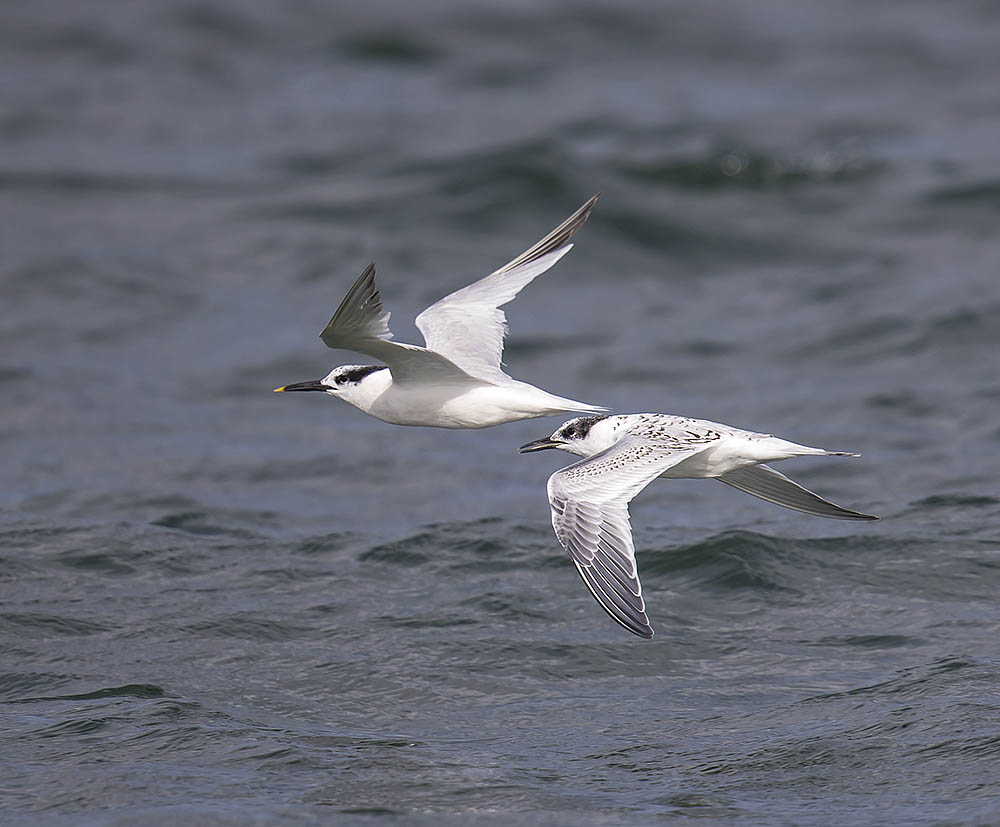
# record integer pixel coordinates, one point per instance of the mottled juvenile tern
(624, 454)
(456, 381)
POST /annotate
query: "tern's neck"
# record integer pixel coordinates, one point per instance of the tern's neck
(603, 434)
(364, 393)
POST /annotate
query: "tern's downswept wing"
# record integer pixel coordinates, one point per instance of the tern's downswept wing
(589, 501)
(468, 326)
(361, 324)
(764, 482)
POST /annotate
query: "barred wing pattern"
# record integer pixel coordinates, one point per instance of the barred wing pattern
(589, 502)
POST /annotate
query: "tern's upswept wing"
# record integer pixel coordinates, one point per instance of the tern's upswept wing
(468, 326)
(464, 331)
(589, 501)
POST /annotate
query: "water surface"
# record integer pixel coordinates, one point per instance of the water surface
(225, 606)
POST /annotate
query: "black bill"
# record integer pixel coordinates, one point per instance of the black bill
(312, 385)
(538, 445)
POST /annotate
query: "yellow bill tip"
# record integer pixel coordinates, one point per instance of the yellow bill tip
(280, 390)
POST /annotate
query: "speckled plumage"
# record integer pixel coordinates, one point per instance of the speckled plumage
(623, 454)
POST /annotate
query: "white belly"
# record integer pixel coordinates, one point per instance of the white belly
(479, 406)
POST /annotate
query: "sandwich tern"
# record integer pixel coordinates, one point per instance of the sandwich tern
(456, 380)
(625, 453)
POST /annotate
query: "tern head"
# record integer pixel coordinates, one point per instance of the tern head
(352, 383)
(583, 436)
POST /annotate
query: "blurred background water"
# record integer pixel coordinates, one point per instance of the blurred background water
(225, 606)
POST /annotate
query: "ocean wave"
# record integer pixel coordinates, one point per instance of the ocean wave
(247, 626)
(962, 329)
(739, 560)
(750, 169)
(44, 625)
(485, 545)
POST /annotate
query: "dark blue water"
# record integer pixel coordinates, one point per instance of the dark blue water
(223, 606)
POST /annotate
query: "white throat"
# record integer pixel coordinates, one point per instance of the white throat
(363, 393)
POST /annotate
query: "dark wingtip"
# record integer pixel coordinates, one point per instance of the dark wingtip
(558, 238)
